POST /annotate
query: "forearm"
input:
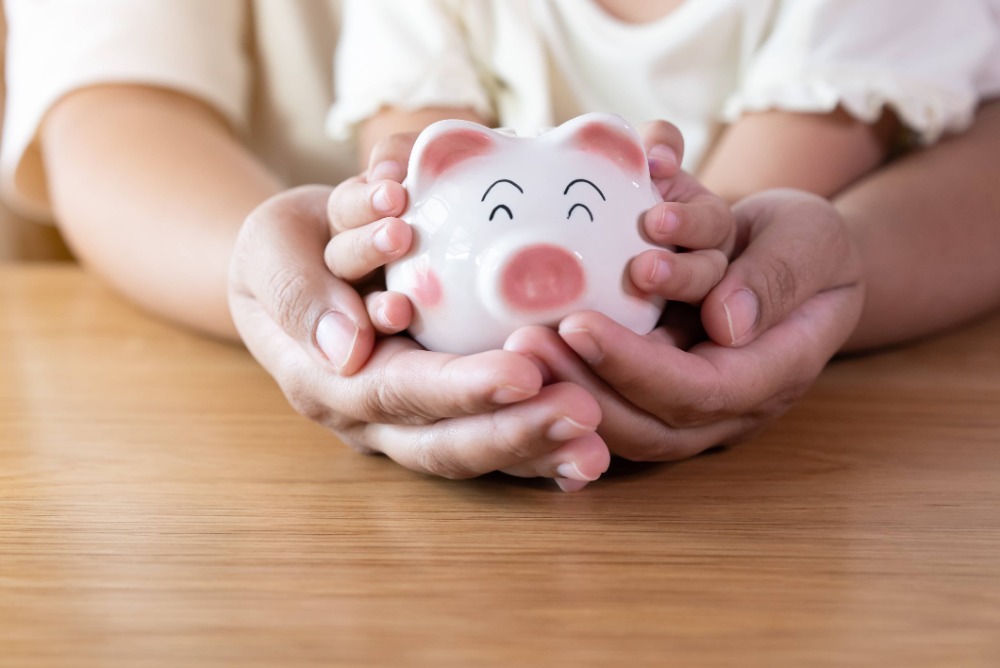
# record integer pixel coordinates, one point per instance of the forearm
(818, 153)
(928, 227)
(150, 190)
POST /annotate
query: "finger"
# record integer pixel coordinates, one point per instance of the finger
(703, 222)
(353, 254)
(389, 312)
(476, 444)
(798, 246)
(712, 383)
(405, 384)
(629, 430)
(400, 384)
(686, 277)
(664, 146)
(573, 464)
(390, 156)
(645, 370)
(278, 263)
(356, 202)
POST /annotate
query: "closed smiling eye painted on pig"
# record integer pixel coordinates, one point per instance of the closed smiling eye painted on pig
(511, 231)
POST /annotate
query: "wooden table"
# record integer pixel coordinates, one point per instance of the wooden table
(160, 505)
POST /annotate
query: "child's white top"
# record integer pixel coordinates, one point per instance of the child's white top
(265, 65)
(536, 63)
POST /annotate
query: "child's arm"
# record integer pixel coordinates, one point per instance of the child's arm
(150, 188)
(818, 153)
(391, 121)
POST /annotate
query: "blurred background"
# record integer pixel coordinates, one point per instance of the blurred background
(22, 239)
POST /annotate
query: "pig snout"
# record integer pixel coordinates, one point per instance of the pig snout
(541, 278)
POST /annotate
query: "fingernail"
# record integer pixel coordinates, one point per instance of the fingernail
(509, 394)
(566, 428)
(571, 471)
(742, 311)
(659, 272)
(567, 485)
(383, 243)
(336, 335)
(663, 154)
(387, 169)
(383, 316)
(381, 200)
(668, 222)
(583, 342)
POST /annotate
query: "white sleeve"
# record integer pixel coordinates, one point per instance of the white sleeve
(924, 59)
(57, 46)
(409, 55)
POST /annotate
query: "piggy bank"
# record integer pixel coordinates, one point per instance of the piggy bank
(512, 231)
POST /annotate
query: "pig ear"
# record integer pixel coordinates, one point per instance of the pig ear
(444, 145)
(608, 136)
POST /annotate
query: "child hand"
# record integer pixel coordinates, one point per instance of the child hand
(696, 222)
(367, 233)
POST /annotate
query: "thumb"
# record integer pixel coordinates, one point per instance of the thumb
(796, 246)
(278, 267)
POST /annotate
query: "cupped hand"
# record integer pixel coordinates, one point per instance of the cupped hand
(789, 299)
(435, 413)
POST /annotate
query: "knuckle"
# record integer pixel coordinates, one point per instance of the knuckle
(722, 228)
(780, 286)
(385, 401)
(340, 201)
(289, 299)
(432, 458)
(363, 250)
(306, 405)
(517, 443)
(707, 404)
(708, 409)
(645, 443)
(302, 397)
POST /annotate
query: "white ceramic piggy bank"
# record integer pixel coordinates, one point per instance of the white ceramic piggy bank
(511, 231)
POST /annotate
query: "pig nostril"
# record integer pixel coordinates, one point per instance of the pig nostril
(540, 278)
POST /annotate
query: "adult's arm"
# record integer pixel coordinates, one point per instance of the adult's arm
(928, 229)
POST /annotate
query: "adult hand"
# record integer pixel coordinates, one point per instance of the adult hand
(440, 414)
(789, 299)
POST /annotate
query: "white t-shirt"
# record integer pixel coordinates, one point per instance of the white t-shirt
(537, 63)
(266, 65)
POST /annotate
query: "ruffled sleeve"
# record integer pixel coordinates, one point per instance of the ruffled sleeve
(409, 55)
(57, 46)
(924, 59)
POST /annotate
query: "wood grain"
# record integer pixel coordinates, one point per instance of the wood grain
(160, 505)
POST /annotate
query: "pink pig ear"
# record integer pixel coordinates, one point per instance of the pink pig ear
(611, 137)
(443, 145)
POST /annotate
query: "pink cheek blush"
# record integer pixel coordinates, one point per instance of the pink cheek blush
(540, 278)
(427, 288)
